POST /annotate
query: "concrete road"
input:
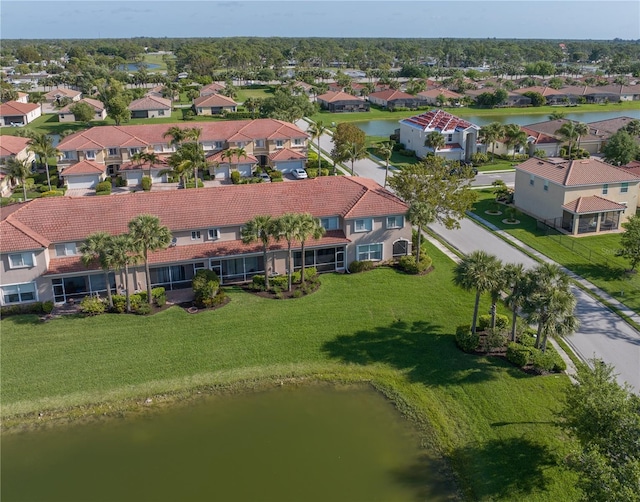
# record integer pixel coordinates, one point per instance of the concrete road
(486, 179)
(602, 333)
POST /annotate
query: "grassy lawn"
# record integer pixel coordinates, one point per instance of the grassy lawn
(497, 165)
(495, 423)
(592, 257)
(155, 59)
(243, 94)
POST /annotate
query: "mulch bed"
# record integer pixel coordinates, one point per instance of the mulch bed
(191, 308)
(284, 295)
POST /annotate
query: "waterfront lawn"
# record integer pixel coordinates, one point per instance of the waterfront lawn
(495, 423)
(592, 257)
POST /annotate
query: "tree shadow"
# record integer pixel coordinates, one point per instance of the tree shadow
(506, 469)
(430, 479)
(419, 350)
(598, 271)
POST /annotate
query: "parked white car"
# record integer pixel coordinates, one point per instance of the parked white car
(299, 174)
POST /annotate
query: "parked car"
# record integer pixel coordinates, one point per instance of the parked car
(299, 174)
(264, 177)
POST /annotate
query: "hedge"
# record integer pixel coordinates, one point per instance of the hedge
(360, 266)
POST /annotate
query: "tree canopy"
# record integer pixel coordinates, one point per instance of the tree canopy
(621, 148)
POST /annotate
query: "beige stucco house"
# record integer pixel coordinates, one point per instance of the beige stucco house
(13, 113)
(66, 115)
(579, 196)
(12, 146)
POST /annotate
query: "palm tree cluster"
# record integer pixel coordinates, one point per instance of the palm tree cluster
(572, 131)
(189, 154)
(119, 252)
(291, 227)
(542, 294)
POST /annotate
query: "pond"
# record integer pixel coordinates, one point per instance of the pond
(386, 127)
(134, 66)
(307, 443)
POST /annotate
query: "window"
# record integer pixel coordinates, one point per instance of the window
(195, 235)
(214, 233)
(330, 223)
(90, 154)
(21, 260)
(158, 148)
(18, 293)
(160, 113)
(395, 221)
(66, 249)
(546, 185)
(605, 189)
(298, 142)
(449, 138)
(369, 252)
(219, 145)
(259, 143)
(279, 143)
(531, 179)
(69, 155)
(624, 188)
(365, 225)
(133, 151)
(113, 152)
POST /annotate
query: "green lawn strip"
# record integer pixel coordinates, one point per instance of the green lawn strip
(495, 423)
(243, 94)
(497, 165)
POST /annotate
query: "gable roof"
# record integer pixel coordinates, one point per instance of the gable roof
(150, 103)
(434, 93)
(93, 103)
(15, 108)
(56, 218)
(16, 236)
(12, 145)
(333, 96)
(592, 204)
(438, 120)
(61, 91)
(577, 172)
(391, 94)
(287, 154)
(84, 167)
(214, 100)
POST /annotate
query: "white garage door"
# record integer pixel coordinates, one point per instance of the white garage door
(82, 181)
(289, 165)
(134, 178)
(222, 172)
(244, 170)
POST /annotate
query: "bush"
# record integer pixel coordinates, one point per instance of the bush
(119, 303)
(484, 322)
(215, 301)
(312, 172)
(205, 287)
(91, 305)
(409, 266)
(496, 339)
(143, 309)
(104, 186)
(479, 158)
(274, 174)
(518, 354)
(258, 282)
(159, 296)
(542, 361)
(279, 282)
(146, 183)
(360, 266)
(466, 340)
(52, 193)
(47, 307)
(235, 177)
(121, 182)
(398, 146)
(29, 308)
(407, 153)
(237, 115)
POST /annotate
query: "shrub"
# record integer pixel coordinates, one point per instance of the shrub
(191, 184)
(91, 305)
(215, 301)
(235, 177)
(52, 193)
(297, 293)
(518, 354)
(312, 172)
(119, 303)
(205, 287)
(121, 182)
(496, 339)
(143, 309)
(104, 186)
(398, 146)
(466, 340)
(146, 183)
(542, 361)
(409, 266)
(159, 296)
(279, 282)
(360, 266)
(479, 158)
(143, 296)
(484, 322)
(407, 153)
(258, 282)
(310, 274)
(29, 308)
(47, 307)
(275, 174)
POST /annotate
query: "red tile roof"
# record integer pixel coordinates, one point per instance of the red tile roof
(592, 204)
(391, 94)
(214, 100)
(57, 219)
(287, 154)
(84, 167)
(16, 236)
(14, 108)
(61, 91)
(434, 93)
(93, 103)
(12, 145)
(438, 120)
(220, 158)
(150, 103)
(333, 96)
(577, 172)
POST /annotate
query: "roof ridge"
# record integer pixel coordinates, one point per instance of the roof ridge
(32, 234)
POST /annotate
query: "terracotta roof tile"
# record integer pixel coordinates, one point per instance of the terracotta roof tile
(16, 236)
(12, 145)
(577, 172)
(150, 103)
(287, 154)
(93, 103)
(438, 120)
(333, 96)
(16, 108)
(592, 204)
(84, 167)
(214, 100)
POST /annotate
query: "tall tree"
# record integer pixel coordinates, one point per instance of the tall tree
(287, 228)
(568, 132)
(352, 151)
(121, 255)
(581, 129)
(96, 248)
(42, 146)
(308, 228)
(176, 134)
(261, 228)
(491, 133)
(82, 112)
(420, 214)
(477, 272)
(148, 234)
(385, 150)
(316, 130)
(514, 276)
(432, 181)
(515, 137)
(435, 140)
(630, 241)
(18, 170)
(193, 134)
(621, 148)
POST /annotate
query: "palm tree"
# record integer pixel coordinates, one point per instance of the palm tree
(260, 228)
(308, 227)
(177, 135)
(42, 146)
(179, 167)
(194, 134)
(491, 133)
(287, 227)
(96, 247)
(495, 291)
(18, 170)
(435, 140)
(581, 129)
(633, 127)
(556, 115)
(353, 151)
(385, 150)
(147, 234)
(121, 255)
(514, 137)
(420, 214)
(476, 271)
(514, 277)
(549, 303)
(568, 132)
(316, 130)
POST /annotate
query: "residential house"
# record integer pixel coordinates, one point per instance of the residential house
(338, 101)
(579, 196)
(115, 146)
(57, 95)
(39, 244)
(513, 98)
(23, 97)
(214, 104)
(590, 142)
(461, 136)
(133, 171)
(149, 107)
(213, 88)
(392, 99)
(66, 115)
(84, 174)
(17, 114)
(12, 146)
(223, 162)
(432, 96)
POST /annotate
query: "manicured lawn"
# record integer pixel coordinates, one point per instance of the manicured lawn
(155, 59)
(495, 423)
(497, 165)
(243, 94)
(592, 257)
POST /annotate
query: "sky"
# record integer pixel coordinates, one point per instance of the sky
(545, 19)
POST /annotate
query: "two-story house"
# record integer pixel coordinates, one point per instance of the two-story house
(12, 146)
(40, 239)
(460, 136)
(579, 196)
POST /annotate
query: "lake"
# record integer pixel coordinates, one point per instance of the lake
(386, 127)
(134, 66)
(309, 443)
